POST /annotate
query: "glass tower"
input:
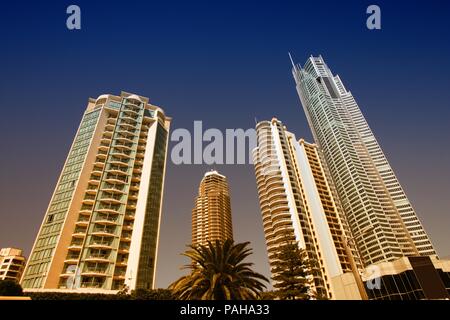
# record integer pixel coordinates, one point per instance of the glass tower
(101, 228)
(369, 191)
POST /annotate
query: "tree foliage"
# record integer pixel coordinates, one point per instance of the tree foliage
(291, 269)
(219, 273)
(10, 288)
(139, 294)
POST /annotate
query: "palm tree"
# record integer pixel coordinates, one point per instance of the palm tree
(219, 273)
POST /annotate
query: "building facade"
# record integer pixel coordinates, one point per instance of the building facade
(101, 229)
(211, 216)
(409, 278)
(12, 263)
(297, 204)
(368, 189)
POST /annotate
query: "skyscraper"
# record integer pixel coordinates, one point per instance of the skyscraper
(297, 203)
(101, 228)
(369, 191)
(211, 216)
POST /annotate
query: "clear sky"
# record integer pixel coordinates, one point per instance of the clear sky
(224, 63)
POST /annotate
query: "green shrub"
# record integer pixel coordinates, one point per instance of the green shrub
(158, 294)
(140, 294)
(10, 288)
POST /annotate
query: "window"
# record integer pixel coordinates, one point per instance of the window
(50, 218)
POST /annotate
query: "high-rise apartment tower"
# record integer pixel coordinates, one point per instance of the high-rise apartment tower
(211, 216)
(101, 228)
(297, 204)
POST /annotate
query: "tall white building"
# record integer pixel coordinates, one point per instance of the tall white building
(101, 229)
(297, 204)
(369, 191)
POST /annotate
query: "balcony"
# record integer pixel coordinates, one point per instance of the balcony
(72, 259)
(100, 244)
(136, 178)
(101, 154)
(129, 127)
(109, 208)
(140, 155)
(103, 232)
(75, 246)
(123, 145)
(103, 147)
(137, 170)
(91, 189)
(79, 234)
(95, 272)
(112, 120)
(83, 221)
(117, 170)
(126, 131)
(114, 189)
(116, 179)
(127, 227)
(126, 238)
(111, 198)
(105, 140)
(134, 186)
(131, 111)
(106, 220)
(92, 285)
(100, 258)
(131, 205)
(99, 165)
(119, 276)
(89, 199)
(107, 134)
(67, 273)
(124, 162)
(94, 180)
(133, 195)
(124, 249)
(130, 116)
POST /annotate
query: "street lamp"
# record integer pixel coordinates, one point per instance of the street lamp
(355, 271)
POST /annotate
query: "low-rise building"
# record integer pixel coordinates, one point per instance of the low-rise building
(12, 263)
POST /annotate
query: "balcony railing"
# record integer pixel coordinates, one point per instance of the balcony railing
(110, 176)
(101, 243)
(114, 207)
(106, 217)
(98, 256)
(91, 284)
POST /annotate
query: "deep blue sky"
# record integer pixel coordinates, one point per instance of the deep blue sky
(224, 63)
